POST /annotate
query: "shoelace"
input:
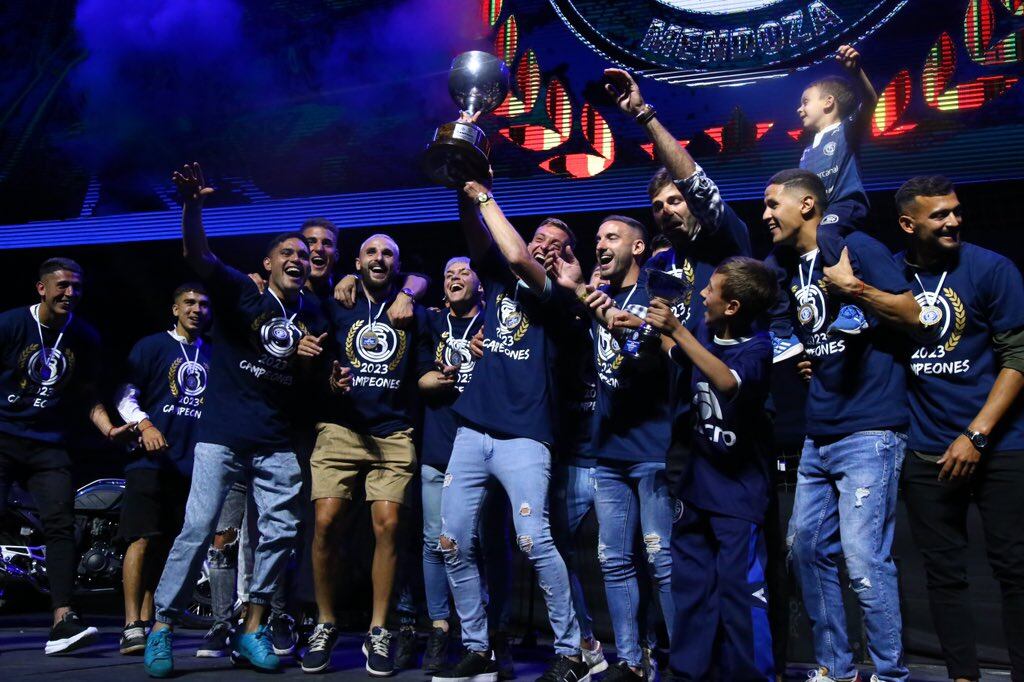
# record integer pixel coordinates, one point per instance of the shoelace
(380, 643)
(162, 643)
(318, 640)
(262, 642)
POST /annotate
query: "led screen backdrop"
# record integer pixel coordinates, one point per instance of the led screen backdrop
(320, 108)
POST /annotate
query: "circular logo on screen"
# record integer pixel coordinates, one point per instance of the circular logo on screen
(676, 37)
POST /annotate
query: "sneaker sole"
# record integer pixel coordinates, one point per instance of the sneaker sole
(132, 649)
(318, 669)
(243, 662)
(599, 668)
(375, 673)
(790, 352)
(210, 653)
(56, 647)
(284, 652)
(483, 677)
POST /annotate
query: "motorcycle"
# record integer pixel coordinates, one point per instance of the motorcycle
(97, 514)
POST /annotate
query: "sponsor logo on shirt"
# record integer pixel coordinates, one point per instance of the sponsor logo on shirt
(830, 219)
(709, 413)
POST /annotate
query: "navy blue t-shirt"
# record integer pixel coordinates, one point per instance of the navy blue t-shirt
(257, 389)
(514, 389)
(834, 159)
(172, 392)
(437, 346)
(633, 420)
(858, 382)
(40, 399)
(383, 362)
(729, 470)
(578, 391)
(951, 375)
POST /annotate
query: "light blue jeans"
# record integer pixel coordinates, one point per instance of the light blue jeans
(523, 468)
(846, 506)
(572, 496)
(628, 497)
(275, 481)
(494, 543)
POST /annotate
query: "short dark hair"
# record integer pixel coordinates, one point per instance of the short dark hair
(321, 222)
(804, 180)
(750, 282)
(189, 286)
(658, 182)
(560, 224)
(281, 238)
(633, 223)
(54, 264)
(841, 90)
(660, 241)
(922, 186)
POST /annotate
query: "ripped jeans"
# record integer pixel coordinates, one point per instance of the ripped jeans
(523, 468)
(629, 496)
(846, 507)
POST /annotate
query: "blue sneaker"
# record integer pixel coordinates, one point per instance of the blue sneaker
(850, 320)
(159, 658)
(784, 349)
(255, 648)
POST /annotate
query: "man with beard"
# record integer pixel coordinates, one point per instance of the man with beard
(367, 432)
(164, 394)
(49, 366)
(521, 329)
(248, 430)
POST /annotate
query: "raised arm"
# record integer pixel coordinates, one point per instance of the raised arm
(850, 60)
(194, 191)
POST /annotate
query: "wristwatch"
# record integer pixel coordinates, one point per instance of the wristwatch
(483, 198)
(978, 440)
(408, 292)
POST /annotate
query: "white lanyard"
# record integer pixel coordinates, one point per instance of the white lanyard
(930, 300)
(48, 355)
(193, 361)
(371, 321)
(631, 292)
(284, 311)
(451, 334)
(805, 286)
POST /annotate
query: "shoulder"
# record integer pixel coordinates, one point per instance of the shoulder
(15, 316)
(979, 256)
(861, 242)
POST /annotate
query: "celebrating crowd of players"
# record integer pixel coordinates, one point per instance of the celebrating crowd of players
(543, 391)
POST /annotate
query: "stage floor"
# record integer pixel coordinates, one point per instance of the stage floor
(22, 638)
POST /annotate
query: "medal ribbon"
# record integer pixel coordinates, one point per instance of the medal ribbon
(934, 295)
(805, 286)
(48, 355)
(451, 334)
(284, 311)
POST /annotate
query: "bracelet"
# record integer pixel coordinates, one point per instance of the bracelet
(110, 431)
(860, 291)
(645, 115)
(145, 428)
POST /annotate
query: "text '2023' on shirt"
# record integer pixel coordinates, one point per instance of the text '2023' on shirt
(257, 390)
(170, 378)
(41, 378)
(514, 392)
(858, 382)
(441, 345)
(729, 470)
(953, 370)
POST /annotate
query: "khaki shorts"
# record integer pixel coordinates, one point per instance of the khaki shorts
(341, 455)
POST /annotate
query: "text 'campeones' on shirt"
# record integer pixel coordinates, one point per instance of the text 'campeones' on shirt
(440, 345)
(171, 377)
(858, 382)
(952, 373)
(382, 360)
(729, 470)
(42, 372)
(832, 156)
(514, 388)
(258, 388)
(635, 396)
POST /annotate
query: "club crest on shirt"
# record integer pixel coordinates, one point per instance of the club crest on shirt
(60, 364)
(953, 318)
(829, 149)
(375, 343)
(512, 321)
(187, 378)
(278, 336)
(455, 352)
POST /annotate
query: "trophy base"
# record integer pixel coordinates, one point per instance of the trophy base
(457, 154)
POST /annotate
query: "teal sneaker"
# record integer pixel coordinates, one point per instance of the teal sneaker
(159, 658)
(256, 649)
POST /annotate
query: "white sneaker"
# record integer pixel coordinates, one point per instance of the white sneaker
(594, 658)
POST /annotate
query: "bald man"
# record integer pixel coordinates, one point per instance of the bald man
(364, 433)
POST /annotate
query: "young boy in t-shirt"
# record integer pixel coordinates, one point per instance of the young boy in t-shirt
(718, 546)
(830, 111)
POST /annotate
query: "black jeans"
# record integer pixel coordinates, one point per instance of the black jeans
(938, 521)
(45, 471)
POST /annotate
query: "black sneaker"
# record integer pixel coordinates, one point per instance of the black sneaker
(69, 634)
(472, 668)
(321, 644)
(282, 634)
(377, 649)
(621, 672)
(405, 647)
(503, 656)
(435, 657)
(215, 642)
(564, 669)
(133, 638)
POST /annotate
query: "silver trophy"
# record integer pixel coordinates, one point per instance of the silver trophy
(477, 82)
(659, 285)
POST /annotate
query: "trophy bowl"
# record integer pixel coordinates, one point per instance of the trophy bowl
(477, 82)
